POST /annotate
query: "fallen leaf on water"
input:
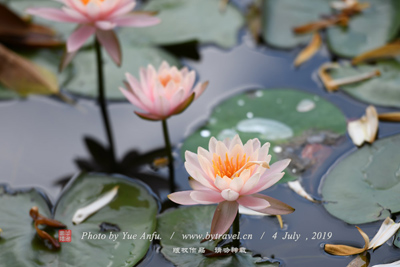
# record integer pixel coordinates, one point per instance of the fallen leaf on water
(393, 264)
(160, 162)
(361, 260)
(39, 219)
(392, 116)
(279, 217)
(254, 20)
(310, 50)
(386, 231)
(339, 19)
(16, 31)
(391, 50)
(298, 188)
(334, 84)
(343, 250)
(364, 129)
(85, 212)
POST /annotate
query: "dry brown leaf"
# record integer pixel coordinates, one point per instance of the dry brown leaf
(339, 19)
(309, 51)
(17, 31)
(254, 20)
(343, 250)
(25, 77)
(364, 129)
(333, 85)
(392, 116)
(387, 51)
(279, 217)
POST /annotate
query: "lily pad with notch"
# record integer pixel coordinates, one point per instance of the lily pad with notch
(196, 220)
(133, 210)
(364, 186)
(299, 125)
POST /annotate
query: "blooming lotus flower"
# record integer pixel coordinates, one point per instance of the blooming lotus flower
(98, 17)
(232, 174)
(162, 93)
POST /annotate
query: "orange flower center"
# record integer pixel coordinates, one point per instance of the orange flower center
(85, 2)
(229, 167)
(166, 78)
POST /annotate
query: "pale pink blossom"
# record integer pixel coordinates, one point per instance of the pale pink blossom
(232, 174)
(162, 93)
(98, 17)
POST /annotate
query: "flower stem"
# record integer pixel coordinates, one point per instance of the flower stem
(169, 154)
(236, 230)
(102, 103)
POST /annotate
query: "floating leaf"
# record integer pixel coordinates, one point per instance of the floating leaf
(364, 129)
(133, 211)
(391, 116)
(343, 250)
(334, 84)
(196, 220)
(364, 187)
(361, 260)
(391, 50)
(273, 116)
(382, 90)
(309, 51)
(373, 28)
(189, 20)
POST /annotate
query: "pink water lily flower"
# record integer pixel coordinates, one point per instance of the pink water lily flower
(98, 17)
(232, 174)
(162, 93)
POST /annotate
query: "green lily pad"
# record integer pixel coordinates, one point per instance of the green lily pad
(365, 186)
(84, 82)
(189, 20)
(196, 220)
(372, 28)
(271, 116)
(382, 90)
(134, 211)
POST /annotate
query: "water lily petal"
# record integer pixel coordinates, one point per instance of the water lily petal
(277, 207)
(51, 14)
(79, 37)
(224, 216)
(109, 41)
(253, 202)
(136, 21)
(182, 198)
(206, 197)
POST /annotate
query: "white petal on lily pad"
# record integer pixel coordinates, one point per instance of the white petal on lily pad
(305, 105)
(393, 264)
(83, 213)
(364, 129)
(298, 188)
(386, 231)
(247, 211)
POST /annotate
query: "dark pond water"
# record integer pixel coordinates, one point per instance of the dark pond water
(43, 144)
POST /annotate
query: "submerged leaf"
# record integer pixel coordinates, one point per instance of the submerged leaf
(334, 84)
(391, 50)
(25, 77)
(361, 260)
(309, 51)
(343, 250)
(364, 129)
